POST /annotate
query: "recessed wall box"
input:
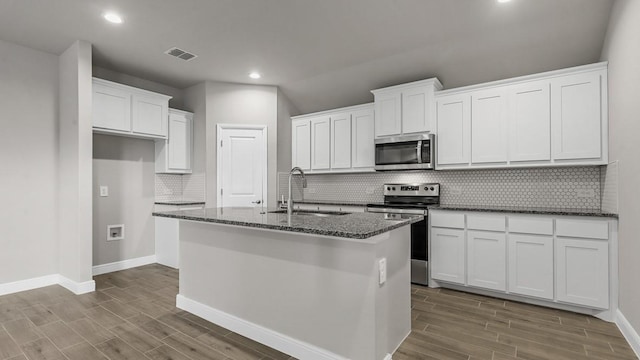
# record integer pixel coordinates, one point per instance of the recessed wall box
(115, 232)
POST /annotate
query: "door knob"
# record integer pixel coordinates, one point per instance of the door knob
(257, 202)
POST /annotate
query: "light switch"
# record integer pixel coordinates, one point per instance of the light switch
(382, 269)
(104, 191)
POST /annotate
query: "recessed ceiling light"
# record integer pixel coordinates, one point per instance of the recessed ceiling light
(255, 75)
(503, 1)
(113, 18)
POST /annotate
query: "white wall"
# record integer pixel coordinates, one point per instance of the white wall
(127, 167)
(240, 104)
(285, 111)
(622, 50)
(29, 158)
(74, 154)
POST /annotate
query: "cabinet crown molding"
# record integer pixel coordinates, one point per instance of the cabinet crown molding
(432, 81)
(366, 106)
(130, 88)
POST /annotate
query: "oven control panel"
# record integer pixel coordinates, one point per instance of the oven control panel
(411, 189)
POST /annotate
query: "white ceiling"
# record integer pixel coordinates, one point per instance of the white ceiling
(322, 53)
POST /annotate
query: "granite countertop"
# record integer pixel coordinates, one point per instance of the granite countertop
(352, 226)
(527, 210)
(180, 202)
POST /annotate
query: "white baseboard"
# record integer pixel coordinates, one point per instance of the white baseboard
(47, 280)
(76, 287)
(629, 332)
(276, 340)
(123, 265)
(28, 284)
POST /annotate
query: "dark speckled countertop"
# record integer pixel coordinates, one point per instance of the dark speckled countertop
(527, 210)
(353, 225)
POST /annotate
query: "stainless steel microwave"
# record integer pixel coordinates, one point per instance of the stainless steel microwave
(409, 152)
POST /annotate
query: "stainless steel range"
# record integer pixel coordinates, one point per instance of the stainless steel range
(411, 199)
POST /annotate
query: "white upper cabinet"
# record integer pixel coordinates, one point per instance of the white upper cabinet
(557, 118)
(529, 117)
(174, 154)
(301, 144)
(576, 116)
(149, 115)
(453, 129)
(320, 143)
(489, 126)
(340, 140)
(124, 110)
(389, 114)
(406, 108)
(362, 139)
(111, 107)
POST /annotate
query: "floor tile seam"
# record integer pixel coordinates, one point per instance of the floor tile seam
(196, 340)
(481, 345)
(465, 343)
(548, 345)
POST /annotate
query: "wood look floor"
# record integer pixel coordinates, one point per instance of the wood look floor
(132, 315)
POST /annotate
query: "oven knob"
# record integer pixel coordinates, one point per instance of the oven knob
(388, 188)
(393, 188)
(432, 189)
(426, 188)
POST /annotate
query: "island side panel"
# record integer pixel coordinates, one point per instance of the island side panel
(393, 299)
(317, 290)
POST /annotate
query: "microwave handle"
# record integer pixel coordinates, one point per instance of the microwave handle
(419, 151)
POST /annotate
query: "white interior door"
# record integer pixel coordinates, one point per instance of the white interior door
(242, 167)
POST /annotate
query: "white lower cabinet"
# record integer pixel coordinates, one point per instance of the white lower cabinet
(487, 252)
(531, 265)
(167, 237)
(557, 261)
(582, 271)
(448, 255)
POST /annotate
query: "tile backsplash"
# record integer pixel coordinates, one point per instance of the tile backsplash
(570, 187)
(173, 187)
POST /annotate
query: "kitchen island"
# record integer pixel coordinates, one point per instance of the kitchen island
(315, 287)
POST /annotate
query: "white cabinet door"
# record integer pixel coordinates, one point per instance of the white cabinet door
(416, 110)
(179, 142)
(487, 260)
(320, 143)
(582, 272)
(341, 141)
(529, 122)
(388, 109)
(531, 265)
(301, 144)
(576, 116)
(362, 139)
(150, 115)
(453, 129)
(489, 127)
(447, 255)
(111, 108)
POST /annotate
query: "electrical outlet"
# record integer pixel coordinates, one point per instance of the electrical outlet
(382, 270)
(585, 193)
(104, 191)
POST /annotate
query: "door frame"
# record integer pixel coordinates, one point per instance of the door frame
(265, 158)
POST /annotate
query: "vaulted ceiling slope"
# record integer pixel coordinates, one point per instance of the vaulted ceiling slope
(322, 53)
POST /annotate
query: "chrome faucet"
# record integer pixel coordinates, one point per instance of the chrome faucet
(304, 185)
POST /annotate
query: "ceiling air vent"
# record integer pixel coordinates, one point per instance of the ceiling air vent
(181, 54)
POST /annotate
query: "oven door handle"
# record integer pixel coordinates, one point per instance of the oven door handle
(397, 211)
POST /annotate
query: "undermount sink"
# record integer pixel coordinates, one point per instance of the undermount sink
(311, 212)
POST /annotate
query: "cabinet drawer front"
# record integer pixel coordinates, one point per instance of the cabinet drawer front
(531, 225)
(582, 228)
(486, 222)
(449, 220)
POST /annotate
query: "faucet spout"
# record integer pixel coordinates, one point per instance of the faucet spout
(304, 185)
